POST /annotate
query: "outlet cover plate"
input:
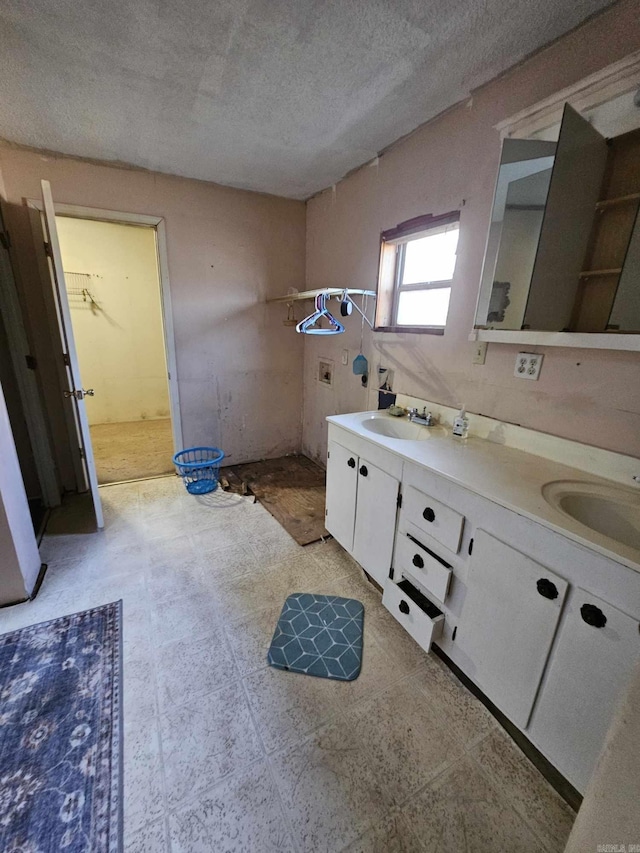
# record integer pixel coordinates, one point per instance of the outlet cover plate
(528, 365)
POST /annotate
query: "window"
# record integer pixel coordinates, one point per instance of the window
(417, 262)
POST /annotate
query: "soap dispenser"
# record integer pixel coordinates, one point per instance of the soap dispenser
(461, 424)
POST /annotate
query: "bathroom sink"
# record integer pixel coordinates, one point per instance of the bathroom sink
(612, 511)
(400, 428)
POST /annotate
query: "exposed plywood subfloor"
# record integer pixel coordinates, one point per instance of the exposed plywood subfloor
(292, 488)
(132, 450)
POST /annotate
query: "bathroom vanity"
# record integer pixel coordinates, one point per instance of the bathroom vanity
(486, 551)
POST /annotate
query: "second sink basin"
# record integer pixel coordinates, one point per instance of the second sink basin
(400, 428)
(612, 511)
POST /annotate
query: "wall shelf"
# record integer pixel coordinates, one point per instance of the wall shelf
(328, 291)
(595, 273)
(612, 202)
(583, 340)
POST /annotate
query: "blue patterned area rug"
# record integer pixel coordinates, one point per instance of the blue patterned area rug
(319, 635)
(60, 735)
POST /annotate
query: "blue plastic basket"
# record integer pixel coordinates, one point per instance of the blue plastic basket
(199, 468)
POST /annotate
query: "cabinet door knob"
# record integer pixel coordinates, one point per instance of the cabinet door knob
(363, 470)
(404, 607)
(352, 462)
(547, 588)
(429, 514)
(418, 561)
(592, 615)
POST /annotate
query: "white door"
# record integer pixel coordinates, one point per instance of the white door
(75, 391)
(342, 483)
(508, 623)
(377, 506)
(591, 664)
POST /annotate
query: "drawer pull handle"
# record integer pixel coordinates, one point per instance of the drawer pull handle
(351, 463)
(363, 470)
(429, 514)
(547, 588)
(418, 561)
(592, 615)
(404, 607)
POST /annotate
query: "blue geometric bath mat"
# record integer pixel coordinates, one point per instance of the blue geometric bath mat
(319, 635)
(60, 735)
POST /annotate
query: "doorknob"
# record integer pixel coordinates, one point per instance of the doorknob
(79, 394)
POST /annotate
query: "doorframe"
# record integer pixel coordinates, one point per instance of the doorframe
(26, 380)
(78, 211)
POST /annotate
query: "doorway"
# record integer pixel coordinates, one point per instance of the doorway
(114, 292)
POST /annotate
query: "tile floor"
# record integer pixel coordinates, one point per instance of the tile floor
(223, 753)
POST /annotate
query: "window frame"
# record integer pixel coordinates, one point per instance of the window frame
(393, 243)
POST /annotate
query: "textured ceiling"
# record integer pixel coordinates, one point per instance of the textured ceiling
(282, 96)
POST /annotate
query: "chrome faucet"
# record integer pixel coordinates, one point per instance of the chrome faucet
(426, 418)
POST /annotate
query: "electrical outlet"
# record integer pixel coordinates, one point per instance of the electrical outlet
(528, 365)
(479, 352)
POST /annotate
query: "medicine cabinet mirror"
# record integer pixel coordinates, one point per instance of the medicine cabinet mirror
(563, 249)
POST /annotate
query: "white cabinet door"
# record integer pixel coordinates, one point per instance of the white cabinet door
(342, 485)
(375, 520)
(591, 664)
(508, 623)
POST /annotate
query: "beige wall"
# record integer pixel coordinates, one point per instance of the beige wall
(238, 368)
(591, 396)
(120, 340)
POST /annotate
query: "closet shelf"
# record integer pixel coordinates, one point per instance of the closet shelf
(328, 291)
(622, 199)
(594, 273)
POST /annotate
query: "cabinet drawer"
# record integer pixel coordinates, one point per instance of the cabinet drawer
(419, 617)
(430, 572)
(434, 518)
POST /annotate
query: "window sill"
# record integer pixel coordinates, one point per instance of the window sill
(419, 330)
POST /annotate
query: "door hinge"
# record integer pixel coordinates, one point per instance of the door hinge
(328, 454)
(470, 549)
(326, 513)
(48, 250)
(5, 239)
(391, 572)
(66, 360)
(399, 500)
(453, 635)
(32, 364)
(82, 453)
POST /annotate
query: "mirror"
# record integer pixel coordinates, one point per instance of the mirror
(625, 312)
(563, 250)
(516, 220)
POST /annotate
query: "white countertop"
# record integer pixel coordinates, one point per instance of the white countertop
(508, 477)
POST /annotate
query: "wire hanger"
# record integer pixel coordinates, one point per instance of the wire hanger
(307, 326)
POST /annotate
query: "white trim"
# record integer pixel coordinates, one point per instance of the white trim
(604, 85)
(169, 335)
(157, 222)
(582, 340)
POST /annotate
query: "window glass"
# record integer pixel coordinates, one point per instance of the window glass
(423, 307)
(431, 258)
